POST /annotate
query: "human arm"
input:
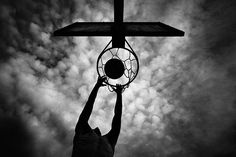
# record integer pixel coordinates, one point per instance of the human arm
(116, 122)
(85, 114)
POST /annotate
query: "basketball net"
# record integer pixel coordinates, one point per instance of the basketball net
(129, 60)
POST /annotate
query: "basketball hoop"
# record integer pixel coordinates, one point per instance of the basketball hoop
(119, 65)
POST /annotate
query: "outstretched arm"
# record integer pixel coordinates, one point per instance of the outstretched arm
(85, 114)
(116, 122)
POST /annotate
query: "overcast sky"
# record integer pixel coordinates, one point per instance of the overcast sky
(182, 102)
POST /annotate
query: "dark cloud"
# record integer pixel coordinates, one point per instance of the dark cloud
(16, 139)
(27, 50)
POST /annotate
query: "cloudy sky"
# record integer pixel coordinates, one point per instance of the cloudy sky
(182, 103)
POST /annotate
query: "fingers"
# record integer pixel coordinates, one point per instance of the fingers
(118, 88)
(101, 81)
(103, 84)
(104, 78)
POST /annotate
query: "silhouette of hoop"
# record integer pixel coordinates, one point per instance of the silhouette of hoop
(127, 57)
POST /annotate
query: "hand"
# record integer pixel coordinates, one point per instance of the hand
(118, 89)
(101, 80)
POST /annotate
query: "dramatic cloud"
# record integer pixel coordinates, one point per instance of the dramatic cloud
(181, 104)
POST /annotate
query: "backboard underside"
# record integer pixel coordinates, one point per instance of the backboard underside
(125, 29)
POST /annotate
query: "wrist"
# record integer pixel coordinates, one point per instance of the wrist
(119, 93)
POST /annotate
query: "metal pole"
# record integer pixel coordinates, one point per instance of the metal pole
(118, 37)
(118, 11)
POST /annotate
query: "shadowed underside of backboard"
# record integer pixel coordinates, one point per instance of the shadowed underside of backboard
(111, 29)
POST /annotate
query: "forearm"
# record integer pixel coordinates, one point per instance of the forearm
(116, 122)
(118, 106)
(117, 112)
(84, 116)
